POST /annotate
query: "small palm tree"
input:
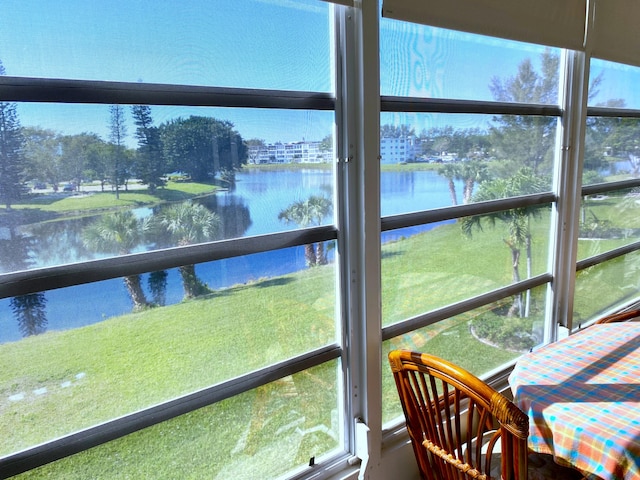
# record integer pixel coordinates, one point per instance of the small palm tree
(188, 223)
(305, 213)
(516, 220)
(450, 172)
(119, 233)
(470, 173)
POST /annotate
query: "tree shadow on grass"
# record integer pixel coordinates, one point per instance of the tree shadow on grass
(42, 199)
(174, 195)
(268, 282)
(274, 282)
(169, 195)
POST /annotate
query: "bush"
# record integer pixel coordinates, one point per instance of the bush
(512, 333)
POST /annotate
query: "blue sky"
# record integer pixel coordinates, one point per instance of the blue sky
(272, 44)
(251, 44)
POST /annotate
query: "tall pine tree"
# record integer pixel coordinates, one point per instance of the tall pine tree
(527, 140)
(118, 132)
(150, 160)
(11, 160)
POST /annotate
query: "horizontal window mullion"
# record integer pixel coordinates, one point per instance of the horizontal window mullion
(23, 89)
(434, 105)
(39, 280)
(598, 188)
(424, 320)
(606, 256)
(613, 112)
(108, 431)
(393, 222)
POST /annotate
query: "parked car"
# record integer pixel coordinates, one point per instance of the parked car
(69, 187)
(39, 186)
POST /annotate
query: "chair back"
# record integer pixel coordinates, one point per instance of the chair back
(459, 426)
(619, 317)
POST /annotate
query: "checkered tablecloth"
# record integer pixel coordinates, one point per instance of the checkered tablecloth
(582, 395)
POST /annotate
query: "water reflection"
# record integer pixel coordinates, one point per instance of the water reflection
(257, 195)
(14, 247)
(234, 214)
(252, 208)
(60, 242)
(29, 311)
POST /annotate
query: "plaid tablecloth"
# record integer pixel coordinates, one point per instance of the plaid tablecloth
(582, 395)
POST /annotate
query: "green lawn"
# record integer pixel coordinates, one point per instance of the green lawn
(99, 372)
(63, 203)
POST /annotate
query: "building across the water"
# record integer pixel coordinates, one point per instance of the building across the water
(295, 152)
(398, 149)
(392, 149)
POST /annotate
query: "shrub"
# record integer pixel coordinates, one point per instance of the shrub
(512, 333)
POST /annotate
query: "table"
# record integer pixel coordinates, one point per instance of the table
(582, 396)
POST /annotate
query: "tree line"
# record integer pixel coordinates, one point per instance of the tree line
(200, 147)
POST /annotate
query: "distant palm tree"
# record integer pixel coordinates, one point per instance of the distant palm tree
(469, 172)
(119, 233)
(188, 223)
(517, 221)
(304, 213)
(450, 172)
(472, 173)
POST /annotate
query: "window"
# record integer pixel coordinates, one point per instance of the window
(488, 268)
(608, 241)
(143, 246)
(219, 218)
(458, 95)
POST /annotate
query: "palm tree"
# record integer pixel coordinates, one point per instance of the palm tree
(311, 211)
(450, 172)
(188, 223)
(119, 233)
(517, 221)
(470, 173)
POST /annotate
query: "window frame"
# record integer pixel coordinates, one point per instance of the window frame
(47, 90)
(357, 230)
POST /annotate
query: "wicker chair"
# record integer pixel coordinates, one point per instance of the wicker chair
(627, 316)
(460, 427)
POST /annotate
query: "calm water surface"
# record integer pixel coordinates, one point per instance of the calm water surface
(251, 209)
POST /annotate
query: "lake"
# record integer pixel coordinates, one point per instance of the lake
(252, 208)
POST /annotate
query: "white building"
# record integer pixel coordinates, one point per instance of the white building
(295, 152)
(398, 149)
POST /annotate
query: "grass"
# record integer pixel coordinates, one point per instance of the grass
(445, 266)
(64, 204)
(130, 362)
(144, 358)
(123, 364)
(225, 440)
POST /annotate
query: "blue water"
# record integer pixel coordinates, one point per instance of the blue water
(255, 203)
